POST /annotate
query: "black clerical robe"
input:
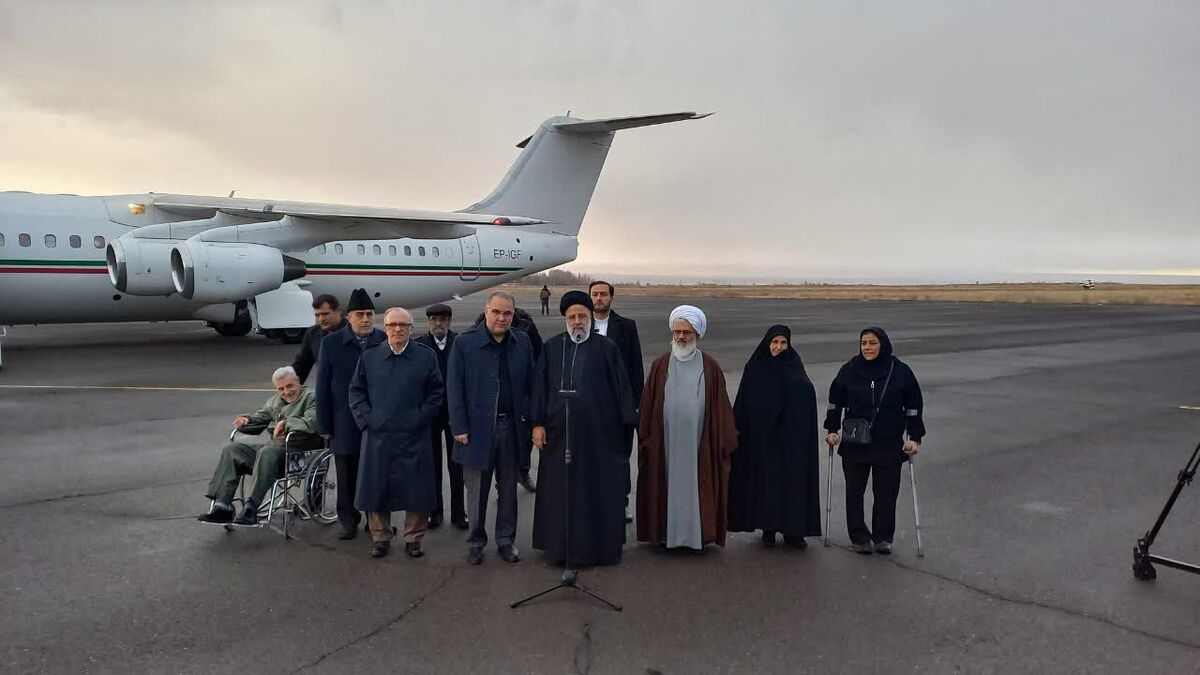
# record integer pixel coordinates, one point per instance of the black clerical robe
(599, 415)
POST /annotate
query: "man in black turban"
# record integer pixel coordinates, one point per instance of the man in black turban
(581, 402)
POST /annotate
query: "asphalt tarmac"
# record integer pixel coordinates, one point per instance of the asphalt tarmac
(1055, 435)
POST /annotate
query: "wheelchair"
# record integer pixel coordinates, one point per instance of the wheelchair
(307, 489)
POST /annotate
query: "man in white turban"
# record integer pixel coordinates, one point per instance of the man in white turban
(685, 439)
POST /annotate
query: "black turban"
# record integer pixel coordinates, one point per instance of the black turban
(439, 310)
(359, 300)
(574, 298)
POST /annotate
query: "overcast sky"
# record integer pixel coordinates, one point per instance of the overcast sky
(850, 138)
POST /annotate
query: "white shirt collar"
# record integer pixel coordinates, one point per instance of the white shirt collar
(398, 353)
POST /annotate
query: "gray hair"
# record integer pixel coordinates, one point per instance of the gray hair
(284, 372)
(500, 294)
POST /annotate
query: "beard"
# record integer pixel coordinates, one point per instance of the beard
(581, 334)
(683, 352)
(440, 333)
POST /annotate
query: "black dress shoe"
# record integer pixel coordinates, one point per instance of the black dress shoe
(475, 556)
(768, 538)
(249, 515)
(348, 532)
(435, 521)
(380, 549)
(216, 515)
(508, 553)
(413, 549)
(525, 481)
(883, 547)
(460, 522)
(795, 542)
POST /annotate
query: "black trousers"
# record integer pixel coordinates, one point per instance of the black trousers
(439, 432)
(347, 479)
(545, 308)
(885, 487)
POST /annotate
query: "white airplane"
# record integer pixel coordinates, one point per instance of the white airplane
(253, 264)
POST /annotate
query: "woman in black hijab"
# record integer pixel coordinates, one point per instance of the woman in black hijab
(774, 485)
(879, 393)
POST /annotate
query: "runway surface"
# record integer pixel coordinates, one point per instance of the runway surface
(1055, 435)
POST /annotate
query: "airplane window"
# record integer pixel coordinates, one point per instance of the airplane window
(420, 250)
(24, 240)
(337, 248)
(322, 248)
(407, 250)
(391, 250)
(362, 250)
(51, 241)
(76, 242)
(377, 250)
(98, 241)
(435, 252)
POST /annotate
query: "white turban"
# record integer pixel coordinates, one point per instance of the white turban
(690, 314)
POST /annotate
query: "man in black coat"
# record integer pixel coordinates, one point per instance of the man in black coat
(335, 367)
(523, 322)
(328, 315)
(440, 339)
(624, 332)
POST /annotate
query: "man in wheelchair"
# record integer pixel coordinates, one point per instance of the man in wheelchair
(292, 408)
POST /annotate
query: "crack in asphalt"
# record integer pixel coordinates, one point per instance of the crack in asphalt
(995, 595)
(412, 607)
(582, 659)
(98, 493)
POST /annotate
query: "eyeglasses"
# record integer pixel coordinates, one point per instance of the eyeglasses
(682, 333)
(398, 326)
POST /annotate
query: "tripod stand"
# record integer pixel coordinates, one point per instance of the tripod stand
(570, 576)
(1142, 569)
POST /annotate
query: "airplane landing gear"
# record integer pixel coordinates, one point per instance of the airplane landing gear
(240, 326)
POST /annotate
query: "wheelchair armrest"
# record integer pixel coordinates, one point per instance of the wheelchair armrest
(298, 441)
(248, 429)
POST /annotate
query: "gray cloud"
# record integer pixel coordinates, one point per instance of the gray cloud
(926, 138)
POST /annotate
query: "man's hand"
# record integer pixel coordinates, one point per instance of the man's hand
(539, 437)
(279, 430)
(240, 421)
(832, 439)
(461, 439)
(911, 447)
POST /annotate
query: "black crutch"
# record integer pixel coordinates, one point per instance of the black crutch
(828, 494)
(912, 478)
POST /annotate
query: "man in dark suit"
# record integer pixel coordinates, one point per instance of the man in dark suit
(440, 338)
(335, 368)
(327, 314)
(624, 332)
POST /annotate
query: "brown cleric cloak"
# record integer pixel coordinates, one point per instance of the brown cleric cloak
(718, 439)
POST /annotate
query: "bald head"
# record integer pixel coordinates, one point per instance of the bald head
(398, 323)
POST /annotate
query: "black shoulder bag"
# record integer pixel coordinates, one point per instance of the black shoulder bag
(857, 429)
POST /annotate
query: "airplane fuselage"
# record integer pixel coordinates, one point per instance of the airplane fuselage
(52, 265)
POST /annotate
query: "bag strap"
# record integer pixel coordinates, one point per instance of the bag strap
(882, 392)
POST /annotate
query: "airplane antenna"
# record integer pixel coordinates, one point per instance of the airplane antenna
(231, 193)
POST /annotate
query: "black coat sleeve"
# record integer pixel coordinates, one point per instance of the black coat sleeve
(633, 361)
(305, 359)
(837, 402)
(914, 408)
(540, 400)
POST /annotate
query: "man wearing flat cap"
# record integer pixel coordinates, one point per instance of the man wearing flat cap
(685, 442)
(581, 403)
(336, 361)
(440, 338)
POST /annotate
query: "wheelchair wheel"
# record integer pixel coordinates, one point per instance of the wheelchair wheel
(320, 488)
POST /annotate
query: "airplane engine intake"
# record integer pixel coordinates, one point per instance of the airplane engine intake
(140, 266)
(225, 272)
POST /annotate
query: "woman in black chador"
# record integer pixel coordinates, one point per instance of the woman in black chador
(774, 484)
(880, 395)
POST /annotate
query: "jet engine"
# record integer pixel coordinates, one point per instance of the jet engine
(226, 272)
(140, 266)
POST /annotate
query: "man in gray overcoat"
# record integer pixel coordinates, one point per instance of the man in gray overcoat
(395, 393)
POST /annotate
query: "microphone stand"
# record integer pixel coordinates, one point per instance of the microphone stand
(570, 576)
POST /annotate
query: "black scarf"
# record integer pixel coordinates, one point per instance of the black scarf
(768, 381)
(877, 368)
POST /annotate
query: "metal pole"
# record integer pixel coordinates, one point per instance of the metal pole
(828, 494)
(912, 476)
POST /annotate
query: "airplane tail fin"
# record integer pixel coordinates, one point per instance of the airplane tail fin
(557, 170)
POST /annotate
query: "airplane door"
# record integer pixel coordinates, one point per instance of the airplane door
(470, 258)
